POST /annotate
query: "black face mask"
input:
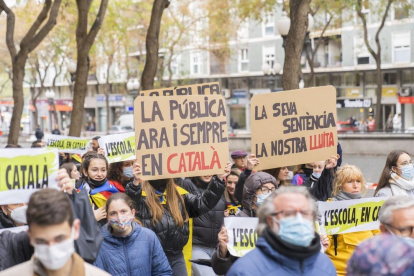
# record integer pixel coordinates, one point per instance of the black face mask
(95, 183)
(160, 184)
(307, 171)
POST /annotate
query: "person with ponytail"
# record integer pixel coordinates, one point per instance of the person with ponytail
(397, 177)
(165, 208)
(128, 248)
(120, 174)
(95, 182)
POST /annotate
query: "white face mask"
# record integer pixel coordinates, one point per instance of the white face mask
(54, 257)
(18, 215)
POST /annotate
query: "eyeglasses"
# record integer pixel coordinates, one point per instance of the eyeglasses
(293, 213)
(266, 190)
(405, 231)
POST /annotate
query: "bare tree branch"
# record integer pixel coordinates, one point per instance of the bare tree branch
(10, 29)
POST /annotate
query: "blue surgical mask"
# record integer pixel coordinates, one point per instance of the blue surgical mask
(407, 171)
(296, 231)
(317, 175)
(128, 172)
(261, 198)
(408, 240)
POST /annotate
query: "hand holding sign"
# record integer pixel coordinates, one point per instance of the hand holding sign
(252, 161)
(101, 151)
(65, 183)
(332, 162)
(137, 171)
(227, 170)
(223, 239)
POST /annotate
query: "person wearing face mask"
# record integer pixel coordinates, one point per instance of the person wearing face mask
(396, 218)
(233, 205)
(128, 248)
(96, 184)
(165, 208)
(120, 174)
(349, 184)
(301, 173)
(205, 227)
(12, 215)
(52, 231)
(397, 177)
(257, 188)
(288, 244)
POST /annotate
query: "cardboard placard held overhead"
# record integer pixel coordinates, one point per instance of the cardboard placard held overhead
(294, 127)
(211, 88)
(181, 136)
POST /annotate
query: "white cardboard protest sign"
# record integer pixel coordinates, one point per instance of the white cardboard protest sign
(294, 127)
(118, 147)
(24, 171)
(242, 234)
(347, 216)
(181, 136)
(67, 144)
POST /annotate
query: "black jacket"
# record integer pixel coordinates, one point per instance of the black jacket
(174, 238)
(207, 226)
(15, 249)
(56, 131)
(5, 222)
(238, 193)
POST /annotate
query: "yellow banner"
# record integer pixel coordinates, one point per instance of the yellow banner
(242, 235)
(347, 216)
(118, 147)
(23, 171)
(66, 144)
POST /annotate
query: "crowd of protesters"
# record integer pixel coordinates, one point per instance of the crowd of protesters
(107, 221)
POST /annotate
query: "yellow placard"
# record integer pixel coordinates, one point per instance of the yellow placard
(66, 144)
(242, 234)
(24, 171)
(118, 147)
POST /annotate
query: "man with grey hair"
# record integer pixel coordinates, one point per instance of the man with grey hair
(397, 217)
(288, 243)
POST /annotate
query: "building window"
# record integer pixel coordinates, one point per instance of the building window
(269, 25)
(196, 63)
(269, 55)
(175, 65)
(401, 11)
(244, 60)
(401, 46)
(389, 78)
(408, 77)
(361, 52)
(238, 116)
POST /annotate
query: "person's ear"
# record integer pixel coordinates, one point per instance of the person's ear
(84, 173)
(269, 221)
(133, 212)
(30, 237)
(76, 229)
(383, 229)
(4, 209)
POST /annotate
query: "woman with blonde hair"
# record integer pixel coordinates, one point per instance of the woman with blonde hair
(348, 184)
(165, 208)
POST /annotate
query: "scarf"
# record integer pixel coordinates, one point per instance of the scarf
(400, 185)
(290, 250)
(346, 196)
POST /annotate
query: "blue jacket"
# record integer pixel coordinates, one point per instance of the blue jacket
(139, 253)
(265, 261)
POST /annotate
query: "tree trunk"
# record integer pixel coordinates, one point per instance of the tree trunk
(55, 116)
(36, 111)
(108, 110)
(294, 43)
(18, 77)
(151, 62)
(378, 107)
(81, 86)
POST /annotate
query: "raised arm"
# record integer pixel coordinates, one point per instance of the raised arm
(134, 188)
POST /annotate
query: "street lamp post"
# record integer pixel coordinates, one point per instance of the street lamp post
(133, 86)
(271, 72)
(72, 71)
(50, 95)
